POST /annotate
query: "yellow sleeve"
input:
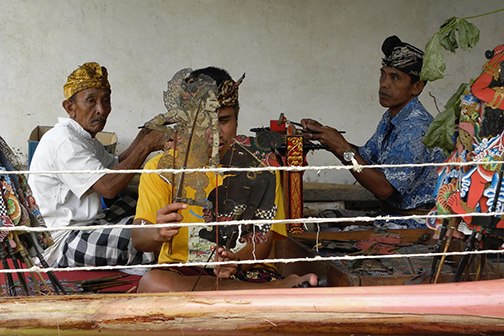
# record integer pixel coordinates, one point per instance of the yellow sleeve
(281, 229)
(153, 192)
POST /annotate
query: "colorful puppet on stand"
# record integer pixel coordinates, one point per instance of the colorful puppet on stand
(18, 208)
(479, 137)
(478, 188)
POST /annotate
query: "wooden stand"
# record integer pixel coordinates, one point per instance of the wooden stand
(294, 183)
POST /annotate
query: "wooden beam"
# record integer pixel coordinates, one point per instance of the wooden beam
(442, 309)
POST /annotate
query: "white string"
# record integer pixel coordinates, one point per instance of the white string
(311, 220)
(253, 241)
(355, 166)
(254, 169)
(250, 262)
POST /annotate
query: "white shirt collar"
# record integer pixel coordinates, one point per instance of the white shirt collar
(74, 125)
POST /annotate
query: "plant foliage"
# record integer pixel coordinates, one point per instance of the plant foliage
(442, 128)
(453, 34)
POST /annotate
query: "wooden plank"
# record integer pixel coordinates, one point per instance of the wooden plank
(443, 309)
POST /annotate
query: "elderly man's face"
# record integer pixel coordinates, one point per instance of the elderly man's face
(90, 108)
(396, 89)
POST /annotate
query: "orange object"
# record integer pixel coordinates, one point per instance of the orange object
(493, 96)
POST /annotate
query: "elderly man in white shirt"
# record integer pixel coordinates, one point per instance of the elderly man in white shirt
(75, 199)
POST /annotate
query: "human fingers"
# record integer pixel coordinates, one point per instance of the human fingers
(225, 271)
(170, 213)
(155, 139)
(330, 137)
(172, 207)
(156, 134)
(310, 124)
(224, 255)
(304, 122)
(167, 234)
(331, 132)
(320, 133)
(220, 254)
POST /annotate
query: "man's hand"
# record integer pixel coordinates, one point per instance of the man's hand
(225, 271)
(151, 238)
(372, 179)
(168, 214)
(329, 137)
(154, 140)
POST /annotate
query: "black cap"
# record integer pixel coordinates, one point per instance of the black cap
(402, 56)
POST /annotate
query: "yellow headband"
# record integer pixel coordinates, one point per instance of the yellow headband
(88, 75)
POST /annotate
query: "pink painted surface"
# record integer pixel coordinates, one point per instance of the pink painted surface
(478, 298)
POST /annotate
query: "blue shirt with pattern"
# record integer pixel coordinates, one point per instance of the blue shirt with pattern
(398, 140)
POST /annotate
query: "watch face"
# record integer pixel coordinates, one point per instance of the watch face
(348, 156)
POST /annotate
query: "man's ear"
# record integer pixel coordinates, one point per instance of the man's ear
(68, 105)
(418, 87)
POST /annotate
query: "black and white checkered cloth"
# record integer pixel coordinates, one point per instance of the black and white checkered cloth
(105, 247)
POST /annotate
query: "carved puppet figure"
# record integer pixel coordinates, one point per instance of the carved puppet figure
(243, 195)
(192, 104)
(480, 137)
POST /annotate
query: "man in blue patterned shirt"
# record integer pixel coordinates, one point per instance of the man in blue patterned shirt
(398, 137)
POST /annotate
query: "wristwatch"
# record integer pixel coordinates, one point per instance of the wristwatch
(349, 155)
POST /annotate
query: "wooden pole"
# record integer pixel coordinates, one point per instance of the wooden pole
(441, 309)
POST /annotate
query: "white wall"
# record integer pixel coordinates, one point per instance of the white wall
(316, 58)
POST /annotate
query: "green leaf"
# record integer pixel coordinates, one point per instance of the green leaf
(442, 128)
(447, 36)
(449, 22)
(434, 62)
(468, 34)
(456, 98)
(440, 132)
(448, 40)
(453, 33)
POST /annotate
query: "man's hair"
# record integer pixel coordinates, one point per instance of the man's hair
(414, 79)
(219, 76)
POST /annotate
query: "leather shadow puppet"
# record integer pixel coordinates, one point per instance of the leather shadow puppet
(243, 195)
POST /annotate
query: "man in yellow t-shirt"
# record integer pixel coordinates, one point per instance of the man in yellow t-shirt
(183, 244)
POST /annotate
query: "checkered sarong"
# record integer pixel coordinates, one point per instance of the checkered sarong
(105, 247)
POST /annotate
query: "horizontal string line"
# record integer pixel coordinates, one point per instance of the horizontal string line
(250, 262)
(308, 220)
(235, 169)
(355, 167)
